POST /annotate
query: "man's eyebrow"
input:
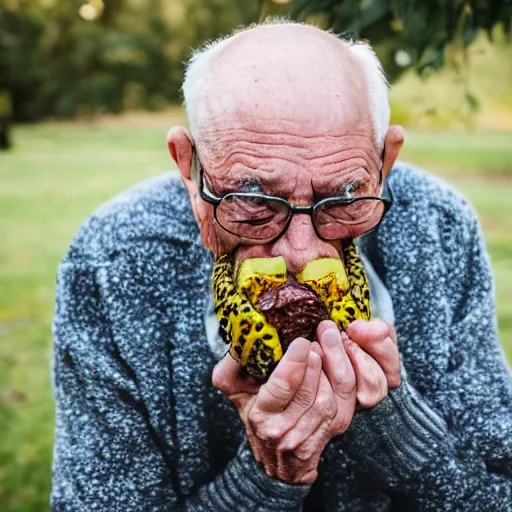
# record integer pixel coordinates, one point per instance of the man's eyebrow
(250, 185)
(242, 184)
(343, 188)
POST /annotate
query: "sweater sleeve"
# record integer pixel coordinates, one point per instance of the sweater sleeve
(109, 452)
(454, 453)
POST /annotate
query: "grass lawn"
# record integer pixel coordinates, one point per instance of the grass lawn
(58, 173)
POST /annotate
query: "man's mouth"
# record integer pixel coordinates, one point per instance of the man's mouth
(291, 304)
(294, 309)
(262, 309)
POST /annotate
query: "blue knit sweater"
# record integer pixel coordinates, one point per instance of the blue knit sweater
(139, 426)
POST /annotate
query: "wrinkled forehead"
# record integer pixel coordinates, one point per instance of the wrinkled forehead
(298, 82)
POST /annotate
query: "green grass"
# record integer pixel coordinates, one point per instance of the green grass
(58, 173)
(49, 183)
(461, 153)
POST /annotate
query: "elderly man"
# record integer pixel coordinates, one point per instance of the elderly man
(370, 420)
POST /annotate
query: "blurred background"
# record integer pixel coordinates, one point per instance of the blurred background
(88, 90)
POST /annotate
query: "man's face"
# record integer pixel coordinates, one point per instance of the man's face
(301, 170)
(283, 112)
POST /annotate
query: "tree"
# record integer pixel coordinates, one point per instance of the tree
(403, 33)
(79, 57)
(68, 57)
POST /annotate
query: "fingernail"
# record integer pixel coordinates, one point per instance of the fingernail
(344, 336)
(331, 337)
(298, 350)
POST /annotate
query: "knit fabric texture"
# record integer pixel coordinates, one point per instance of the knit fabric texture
(139, 426)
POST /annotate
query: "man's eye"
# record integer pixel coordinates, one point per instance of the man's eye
(258, 222)
(254, 201)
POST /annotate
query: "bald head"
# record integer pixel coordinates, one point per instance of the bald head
(286, 77)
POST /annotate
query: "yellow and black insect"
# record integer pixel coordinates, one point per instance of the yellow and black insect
(346, 301)
(254, 341)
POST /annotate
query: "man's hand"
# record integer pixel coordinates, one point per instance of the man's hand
(311, 395)
(373, 351)
(291, 418)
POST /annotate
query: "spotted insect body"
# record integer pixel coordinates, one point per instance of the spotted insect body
(254, 342)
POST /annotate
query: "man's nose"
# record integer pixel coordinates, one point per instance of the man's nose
(300, 245)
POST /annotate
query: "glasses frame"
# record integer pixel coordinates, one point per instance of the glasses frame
(207, 195)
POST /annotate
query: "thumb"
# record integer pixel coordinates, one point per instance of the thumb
(228, 376)
(286, 379)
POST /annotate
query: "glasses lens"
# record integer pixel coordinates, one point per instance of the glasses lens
(333, 217)
(251, 216)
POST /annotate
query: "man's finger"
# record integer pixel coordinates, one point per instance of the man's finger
(336, 362)
(305, 396)
(309, 448)
(365, 332)
(315, 347)
(371, 382)
(376, 338)
(323, 326)
(272, 427)
(324, 408)
(285, 380)
(228, 376)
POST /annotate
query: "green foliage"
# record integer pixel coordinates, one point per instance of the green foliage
(19, 67)
(407, 33)
(55, 63)
(57, 60)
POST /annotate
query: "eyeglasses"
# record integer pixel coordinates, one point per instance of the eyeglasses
(264, 219)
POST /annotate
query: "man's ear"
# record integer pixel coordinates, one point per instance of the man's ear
(392, 144)
(180, 147)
